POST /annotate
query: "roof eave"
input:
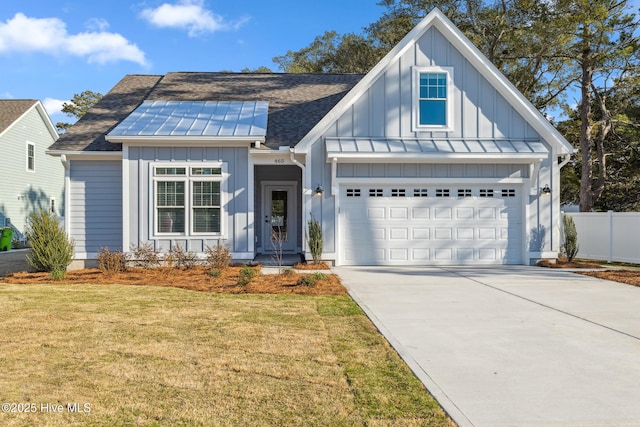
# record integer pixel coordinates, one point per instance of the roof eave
(169, 139)
(85, 154)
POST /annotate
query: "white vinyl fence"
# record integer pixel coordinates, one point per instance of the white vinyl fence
(611, 236)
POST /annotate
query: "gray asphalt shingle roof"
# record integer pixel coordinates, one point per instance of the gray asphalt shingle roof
(12, 109)
(296, 102)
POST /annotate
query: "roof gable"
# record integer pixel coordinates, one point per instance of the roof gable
(436, 19)
(12, 110)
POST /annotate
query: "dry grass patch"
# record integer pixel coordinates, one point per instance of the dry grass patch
(160, 356)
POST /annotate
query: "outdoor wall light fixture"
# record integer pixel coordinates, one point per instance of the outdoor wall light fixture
(546, 190)
(319, 190)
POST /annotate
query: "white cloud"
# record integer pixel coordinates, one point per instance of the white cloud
(53, 106)
(97, 24)
(6, 95)
(190, 15)
(49, 35)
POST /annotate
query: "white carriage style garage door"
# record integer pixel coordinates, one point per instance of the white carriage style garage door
(429, 225)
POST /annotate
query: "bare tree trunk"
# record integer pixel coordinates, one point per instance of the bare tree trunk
(586, 193)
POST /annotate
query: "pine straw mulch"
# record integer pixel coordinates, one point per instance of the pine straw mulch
(196, 279)
(563, 263)
(312, 266)
(630, 277)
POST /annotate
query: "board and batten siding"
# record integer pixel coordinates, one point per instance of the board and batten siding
(25, 192)
(384, 110)
(95, 205)
(235, 210)
(430, 170)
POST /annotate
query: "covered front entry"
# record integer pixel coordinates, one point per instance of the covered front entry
(431, 225)
(278, 209)
(279, 216)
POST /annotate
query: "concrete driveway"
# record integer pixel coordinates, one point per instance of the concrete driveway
(511, 346)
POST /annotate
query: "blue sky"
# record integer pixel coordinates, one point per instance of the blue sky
(51, 49)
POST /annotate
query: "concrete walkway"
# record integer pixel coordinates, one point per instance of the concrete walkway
(511, 346)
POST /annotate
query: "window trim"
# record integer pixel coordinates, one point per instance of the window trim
(189, 178)
(415, 97)
(32, 169)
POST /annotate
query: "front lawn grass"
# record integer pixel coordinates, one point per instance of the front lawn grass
(137, 355)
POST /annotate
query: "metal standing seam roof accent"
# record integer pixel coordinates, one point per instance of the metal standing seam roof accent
(195, 118)
(446, 146)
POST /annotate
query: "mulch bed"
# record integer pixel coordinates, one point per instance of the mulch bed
(196, 279)
(312, 266)
(563, 263)
(630, 277)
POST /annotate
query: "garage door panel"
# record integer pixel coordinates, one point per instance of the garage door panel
(423, 230)
(464, 233)
(399, 254)
(486, 233)
(442, 213)
(443, 254)
(421, 255)
(465, 213)
(420, 213)
(487, 254)
(465, 254)
(399, 234)
(443, 233)
(376, 213)
(487, 213)
(398, 213)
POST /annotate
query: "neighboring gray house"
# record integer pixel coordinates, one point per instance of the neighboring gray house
(433, 157)
(31, 180)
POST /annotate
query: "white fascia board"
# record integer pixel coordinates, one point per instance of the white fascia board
(47, 121)
(87, 155)
(436, 18)
(525, 158)
(183, 140)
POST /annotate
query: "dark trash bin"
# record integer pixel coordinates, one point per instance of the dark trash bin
(5, 239)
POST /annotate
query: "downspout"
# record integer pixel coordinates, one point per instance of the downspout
(304, 192)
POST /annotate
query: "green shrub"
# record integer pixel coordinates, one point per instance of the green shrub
(570, 244)
(219, 257)
(311, 279)
(246, 274)
(145, 255)
(51, 248)
(112, 262)
(214, 273)
(287, 272)
(314, 238)
(181, 258)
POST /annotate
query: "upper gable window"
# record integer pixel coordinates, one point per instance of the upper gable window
(432, 102)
